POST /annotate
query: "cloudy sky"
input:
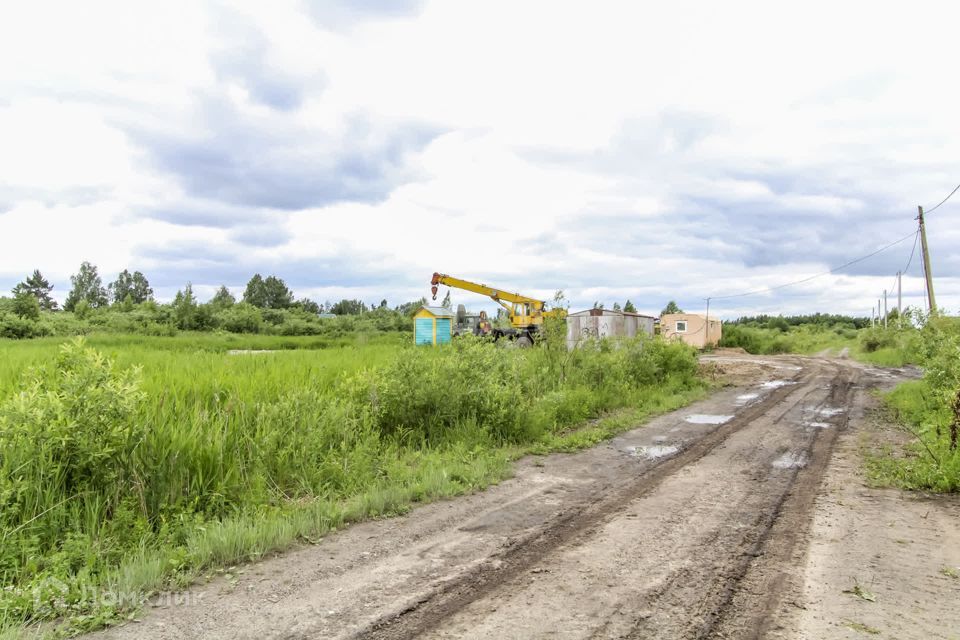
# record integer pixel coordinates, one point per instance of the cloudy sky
(615, 150)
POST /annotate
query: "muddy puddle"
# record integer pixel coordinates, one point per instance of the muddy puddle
(706, 418)
(791, 460)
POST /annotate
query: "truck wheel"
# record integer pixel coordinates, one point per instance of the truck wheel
(524, 341)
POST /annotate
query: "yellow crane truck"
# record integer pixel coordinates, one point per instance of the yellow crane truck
(526, 314)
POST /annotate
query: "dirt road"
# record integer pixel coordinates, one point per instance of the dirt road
(699, 524)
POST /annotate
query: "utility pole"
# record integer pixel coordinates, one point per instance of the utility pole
(899, 299)
(899, 294)
(884, 308)
(873, 313)
(931, 301)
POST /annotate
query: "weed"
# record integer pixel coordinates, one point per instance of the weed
(861, 592)
(861, 627)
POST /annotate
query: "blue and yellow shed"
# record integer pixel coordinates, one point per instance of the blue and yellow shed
(432, 325)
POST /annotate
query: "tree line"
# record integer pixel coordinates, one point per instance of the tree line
(267, 305)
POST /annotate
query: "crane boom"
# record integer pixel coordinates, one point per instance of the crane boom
(526, 313)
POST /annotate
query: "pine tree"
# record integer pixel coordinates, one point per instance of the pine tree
(37, 286)
(671, 308)
(629, 308)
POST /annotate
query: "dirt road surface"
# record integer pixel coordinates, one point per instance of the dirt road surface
(741, 516)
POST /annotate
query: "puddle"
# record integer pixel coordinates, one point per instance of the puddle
(791, 460)
(829, 412)
(656, 451)
(775, 384)
(819, 425)
(704, 418)
(747, 397)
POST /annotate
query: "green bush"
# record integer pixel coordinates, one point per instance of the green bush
(66, 465)
(13, 326)
(926, 407)
(241, 318)
(877, 338)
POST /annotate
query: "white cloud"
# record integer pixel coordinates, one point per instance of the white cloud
(613, 150)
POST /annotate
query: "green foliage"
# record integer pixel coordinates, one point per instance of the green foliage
(821, 319)
(349, 307)
(37, 286)
(628, 307)
(26, 305)
(120, 477)
(67, 470)
(190, 316)
(17, 327)
(241, 318)
(222, 299)
(928, 408)
(86, 287)
(135, 286)
(269, 293)
(307, 305)
(671, 308)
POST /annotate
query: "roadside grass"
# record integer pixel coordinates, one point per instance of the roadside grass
(119, 482)
(925, 409)
(891, 347)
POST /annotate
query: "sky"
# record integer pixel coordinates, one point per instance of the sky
(612, 150)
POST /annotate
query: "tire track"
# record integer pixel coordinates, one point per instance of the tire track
(486, 579)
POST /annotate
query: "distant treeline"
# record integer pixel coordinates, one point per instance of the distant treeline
(127, 305)
(785, 322)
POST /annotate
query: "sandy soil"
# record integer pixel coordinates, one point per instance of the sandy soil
(697, 524)
(880, 562)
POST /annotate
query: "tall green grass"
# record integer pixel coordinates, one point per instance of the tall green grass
(894, 346)
(130, 462)
(926, 409)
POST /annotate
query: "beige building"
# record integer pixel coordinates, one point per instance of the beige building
(691, 328)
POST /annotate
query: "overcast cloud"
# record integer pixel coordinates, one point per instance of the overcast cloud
(614, 150)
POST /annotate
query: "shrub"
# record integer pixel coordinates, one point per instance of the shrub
(16, 327)
(241, 318)
(69, 433)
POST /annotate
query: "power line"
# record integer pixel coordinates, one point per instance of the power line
(819, 275)
(912, 251)
(929, 211)
(909, 261)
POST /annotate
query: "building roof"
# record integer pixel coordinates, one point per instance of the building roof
(606, 312)
(440, 312)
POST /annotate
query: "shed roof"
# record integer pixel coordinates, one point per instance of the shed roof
(439, 312)
(606, 312)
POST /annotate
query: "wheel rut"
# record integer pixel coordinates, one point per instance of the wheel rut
(495, 578)
(678, 529)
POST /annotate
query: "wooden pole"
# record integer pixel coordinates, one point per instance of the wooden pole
(884, 308)
(928, 274)
(899, 299)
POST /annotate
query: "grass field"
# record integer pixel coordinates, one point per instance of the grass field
(129, 463)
